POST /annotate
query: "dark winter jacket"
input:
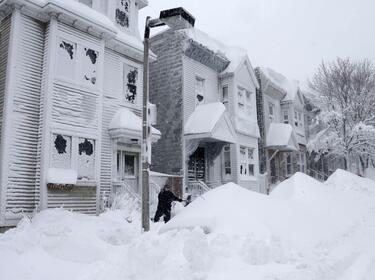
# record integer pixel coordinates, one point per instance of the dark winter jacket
(165, 199)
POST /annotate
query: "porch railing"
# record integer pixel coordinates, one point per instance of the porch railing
(197, 188)
(320, 176)
(121, 188)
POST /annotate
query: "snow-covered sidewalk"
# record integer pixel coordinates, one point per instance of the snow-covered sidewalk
(303, 230)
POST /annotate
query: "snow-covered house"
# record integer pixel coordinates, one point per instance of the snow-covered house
(282, 124)
(205, 94)
(70, 103)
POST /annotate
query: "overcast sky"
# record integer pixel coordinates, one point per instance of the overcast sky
(290, 36)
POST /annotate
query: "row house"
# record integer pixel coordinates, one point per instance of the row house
(205, 93)
(282, 123)
(70, 103)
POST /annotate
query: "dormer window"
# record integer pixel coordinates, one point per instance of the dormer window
(123, 13)
(86, 2)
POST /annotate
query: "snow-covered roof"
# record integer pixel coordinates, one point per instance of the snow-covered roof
(127, 124)
(85, 13)
(235, 55)
(281, 136)
(289, 87)
(210, 121)
(62, 176)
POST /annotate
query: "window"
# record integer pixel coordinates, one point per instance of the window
(241, 100)
(66, 59)
(123, 13)
(130, 83)
(246, 161)
(86, 159)
(288, 164)
(224, 96)
(298, 119)
(76, 63)
(126, 165)
(199, 91)
(89, 66)
(61, 151)
(301, 162)
(86, 2)
(248, 103)
(82, 157)
(250, 157)
(286, 116)
(271, 111)
(226, 161)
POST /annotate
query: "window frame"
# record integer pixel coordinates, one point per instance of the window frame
(246, 162)
(226, 155)
(129, 64)
(225, 99)
(127, 13)
(271, 115)
(79, 69)
(74, 154)
(201, 90)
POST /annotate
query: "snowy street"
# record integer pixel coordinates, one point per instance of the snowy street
(303, 230)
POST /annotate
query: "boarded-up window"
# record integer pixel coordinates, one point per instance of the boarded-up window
(130, 83)
(90, 66)
(66, 59)
(61, 151)
(86, 159)
(123, 13)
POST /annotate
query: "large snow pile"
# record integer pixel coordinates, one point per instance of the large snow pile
(304, 230)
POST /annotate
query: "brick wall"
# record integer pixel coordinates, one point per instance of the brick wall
(166, 94)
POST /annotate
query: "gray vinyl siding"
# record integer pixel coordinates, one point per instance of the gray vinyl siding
(21, 192)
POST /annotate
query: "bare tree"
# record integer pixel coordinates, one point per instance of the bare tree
(344, 91)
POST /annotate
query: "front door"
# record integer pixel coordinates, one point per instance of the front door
(127, 168)
(197, 165)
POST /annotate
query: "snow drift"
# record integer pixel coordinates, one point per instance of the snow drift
(304, 230)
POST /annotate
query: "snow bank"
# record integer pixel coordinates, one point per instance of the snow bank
(303, 230)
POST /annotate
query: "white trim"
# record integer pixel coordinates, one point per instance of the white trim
(100, 127)
(47, 117)
(7, 131)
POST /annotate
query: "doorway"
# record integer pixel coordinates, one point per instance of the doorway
(127, 169)
(197, 165)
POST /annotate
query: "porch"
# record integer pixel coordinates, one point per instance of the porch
(207, 131)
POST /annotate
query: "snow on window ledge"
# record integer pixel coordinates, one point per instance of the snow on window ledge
(61, 176)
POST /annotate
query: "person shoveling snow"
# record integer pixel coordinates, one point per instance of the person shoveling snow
(165, 199)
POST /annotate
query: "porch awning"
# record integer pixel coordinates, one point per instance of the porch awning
(126, 124)
(281, 137)
(211, 123)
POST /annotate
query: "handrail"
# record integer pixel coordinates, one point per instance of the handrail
(197, 188)
(321, 176)
(128, 189)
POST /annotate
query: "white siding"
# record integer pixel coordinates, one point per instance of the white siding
(75, 111)
(191, 70)
(21, 193)
(113, 100)
(4, 47)
(80, 199)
